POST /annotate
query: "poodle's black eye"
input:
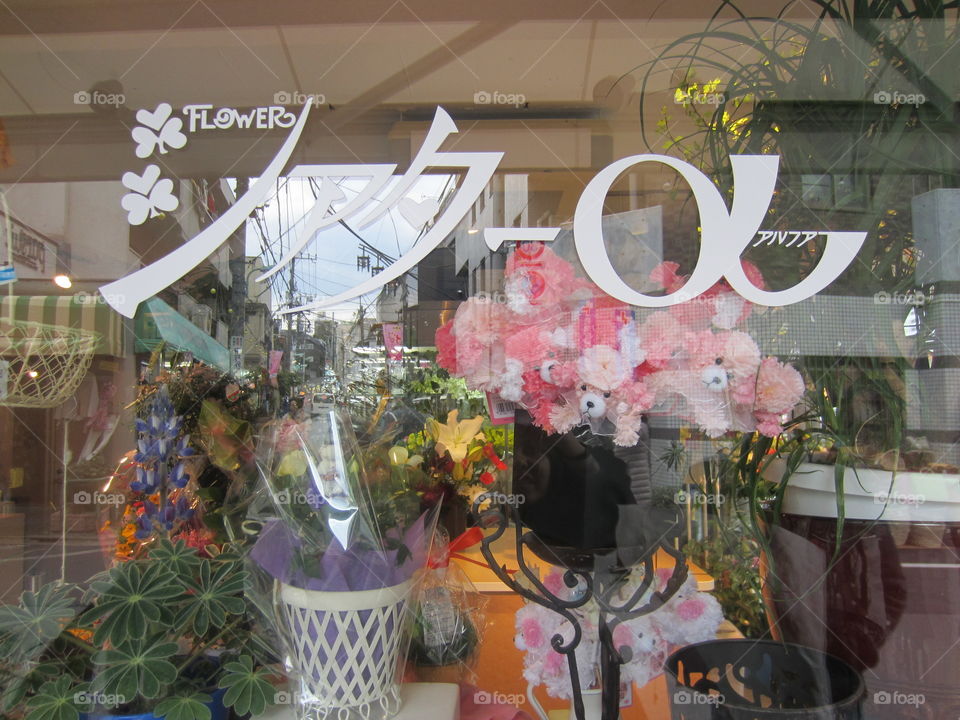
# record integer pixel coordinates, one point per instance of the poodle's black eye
(583, 387)
(606, 394)
(719, 361)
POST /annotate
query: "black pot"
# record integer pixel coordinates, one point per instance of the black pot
(760, 680)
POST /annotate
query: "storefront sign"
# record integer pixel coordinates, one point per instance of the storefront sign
(33, 255)
(725, 235)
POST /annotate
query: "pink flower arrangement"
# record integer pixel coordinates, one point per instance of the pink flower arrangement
(689, 616)
(573, 356)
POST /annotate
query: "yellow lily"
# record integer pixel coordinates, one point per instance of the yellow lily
(455, 435)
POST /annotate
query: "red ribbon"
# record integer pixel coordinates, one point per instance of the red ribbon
(467, 539)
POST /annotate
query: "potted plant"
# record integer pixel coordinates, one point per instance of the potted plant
(335, 564)
(843, 526)
(161, 635)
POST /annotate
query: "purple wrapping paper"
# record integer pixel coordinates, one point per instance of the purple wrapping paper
(341, 569)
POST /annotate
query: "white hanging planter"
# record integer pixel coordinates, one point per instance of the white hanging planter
(346, 648)
(871, 494)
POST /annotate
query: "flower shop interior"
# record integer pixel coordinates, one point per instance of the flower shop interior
(503, 361)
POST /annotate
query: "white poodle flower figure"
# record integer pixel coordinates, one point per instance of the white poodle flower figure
(689, 616)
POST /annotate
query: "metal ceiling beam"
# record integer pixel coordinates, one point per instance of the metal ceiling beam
(21, 17)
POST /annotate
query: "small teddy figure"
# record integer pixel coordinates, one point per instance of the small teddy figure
(605, 392)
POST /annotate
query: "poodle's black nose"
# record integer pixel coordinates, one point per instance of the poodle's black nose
(589, 403)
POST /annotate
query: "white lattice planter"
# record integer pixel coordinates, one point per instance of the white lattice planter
(346, 648)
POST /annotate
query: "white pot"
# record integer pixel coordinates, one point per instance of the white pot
(871, 494)
(346, 647)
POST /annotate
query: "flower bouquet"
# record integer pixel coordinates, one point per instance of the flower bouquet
(340, 557)
(574, 356)
(458, 459)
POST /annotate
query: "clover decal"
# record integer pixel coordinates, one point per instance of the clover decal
(160, 132)
(150, 195)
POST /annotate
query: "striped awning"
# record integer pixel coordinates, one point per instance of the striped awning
(84, 311)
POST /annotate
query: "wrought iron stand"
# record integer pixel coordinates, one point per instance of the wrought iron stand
(603, 581)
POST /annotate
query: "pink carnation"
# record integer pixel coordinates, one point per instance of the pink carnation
(555, 663)
(532, 633)
(622, 636)
(658, 338)
(665, 275)
(690, 609)
(553, 581)
(779, 387)
(602, 367)
(741, 356)
(446, 347)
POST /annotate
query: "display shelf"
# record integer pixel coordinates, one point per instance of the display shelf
(437, 701)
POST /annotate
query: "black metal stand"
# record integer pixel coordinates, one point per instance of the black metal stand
(603, 581)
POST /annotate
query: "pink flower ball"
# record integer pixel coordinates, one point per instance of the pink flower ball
(555, 663)
(532, 633)
(690, 609)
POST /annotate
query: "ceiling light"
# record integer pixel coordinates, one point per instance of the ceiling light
(473, 230)
(63, 281)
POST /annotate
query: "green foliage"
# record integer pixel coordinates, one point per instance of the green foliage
(190, 707)
(732, 558)
(130, 599)
(137, 666)
(55, 700)
(786, 87)
(212, 595)
(140, 645)
(249, 690)
(434, 392)
(40, 618)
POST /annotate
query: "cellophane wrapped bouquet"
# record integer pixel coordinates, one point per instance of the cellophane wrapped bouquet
(571, 355)
(339, 556)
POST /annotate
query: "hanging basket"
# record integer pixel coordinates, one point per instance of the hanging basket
(346, 648)
(43, 364)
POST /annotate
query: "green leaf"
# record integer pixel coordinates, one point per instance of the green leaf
(180, 559)
(213, 595)
(138, 666)
(131, 600)
(12, 690)
(184, 708)
(249, 690)
(39, 619)
(55, 700)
